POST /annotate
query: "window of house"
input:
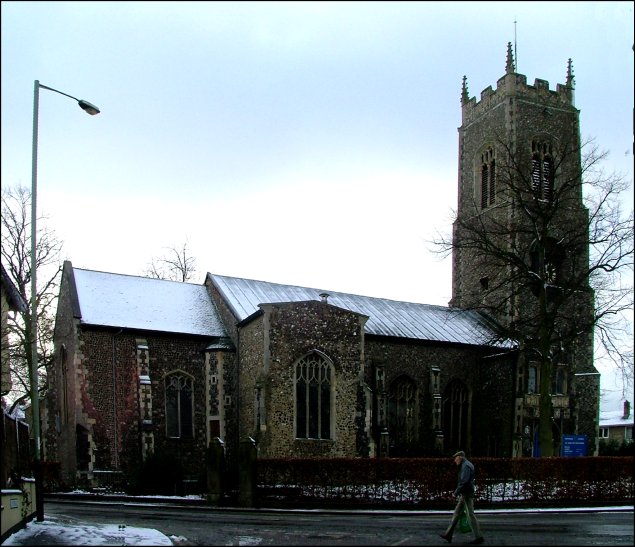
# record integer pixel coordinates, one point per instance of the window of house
(628, 433)
(604, 432)
(488, 178)
(313, 391)
(179, 405)
(542, 171)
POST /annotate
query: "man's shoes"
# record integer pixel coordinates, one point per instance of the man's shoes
(446, 537)
(476, 541)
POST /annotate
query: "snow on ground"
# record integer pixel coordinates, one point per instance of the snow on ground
(53, 531)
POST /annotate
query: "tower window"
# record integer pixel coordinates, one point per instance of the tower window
(488, 178)
(542, 171)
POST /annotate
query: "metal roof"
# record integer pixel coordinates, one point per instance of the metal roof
(386, 317)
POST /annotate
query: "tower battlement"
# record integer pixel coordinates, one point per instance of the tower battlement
(513, 84)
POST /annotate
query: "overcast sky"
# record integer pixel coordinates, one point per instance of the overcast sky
(302, 143)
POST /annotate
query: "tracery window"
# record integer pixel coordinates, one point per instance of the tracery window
(402, 414)
(488, 178)
(313, 393)
(179, 405)
(455, 415)
(542, 170)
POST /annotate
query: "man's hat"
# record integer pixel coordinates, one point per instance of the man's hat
(459, 453)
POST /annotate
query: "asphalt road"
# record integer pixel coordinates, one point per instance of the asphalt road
(214, 526)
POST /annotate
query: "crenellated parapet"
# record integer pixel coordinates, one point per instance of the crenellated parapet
(514, 85)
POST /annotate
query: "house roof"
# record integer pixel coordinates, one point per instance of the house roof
(613, 413)
(386, 317)
(125, 301)
(14, 298)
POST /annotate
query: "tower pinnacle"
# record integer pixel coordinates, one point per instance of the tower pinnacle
(464, 94)
(570, 76)
(510, 68)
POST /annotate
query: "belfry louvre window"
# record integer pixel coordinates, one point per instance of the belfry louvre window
(542, 171)
(313, 386)
(488, 178)
(179, 403)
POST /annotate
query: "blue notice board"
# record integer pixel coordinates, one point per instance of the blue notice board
(574, 446)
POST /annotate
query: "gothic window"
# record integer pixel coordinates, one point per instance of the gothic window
(542, 171)
(313, 393)
(455, 415)
(402, 415)
(488, 178)
(558, 386)
(179, 405)
(532, 379)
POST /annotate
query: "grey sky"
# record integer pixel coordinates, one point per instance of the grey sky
(302, 143)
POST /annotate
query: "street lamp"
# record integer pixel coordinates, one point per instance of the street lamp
(35, 400)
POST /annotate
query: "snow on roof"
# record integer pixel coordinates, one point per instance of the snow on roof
(613, 414)
(125, 301)
(386, 317)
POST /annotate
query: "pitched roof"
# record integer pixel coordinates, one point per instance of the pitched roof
(386, 317)
(16, 302)
(125, 301)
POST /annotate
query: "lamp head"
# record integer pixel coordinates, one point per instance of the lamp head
(88, 107)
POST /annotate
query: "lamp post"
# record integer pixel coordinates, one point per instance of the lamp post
(35, 400)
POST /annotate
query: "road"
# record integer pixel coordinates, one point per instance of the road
(218, 526)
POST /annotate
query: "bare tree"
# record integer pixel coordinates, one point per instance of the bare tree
(559, 262)
(16, 258)
(176, 265)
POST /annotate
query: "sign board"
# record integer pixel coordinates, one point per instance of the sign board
(574, 446)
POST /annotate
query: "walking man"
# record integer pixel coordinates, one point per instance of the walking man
(465, 493)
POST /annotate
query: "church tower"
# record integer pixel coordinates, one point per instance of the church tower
(520, 246)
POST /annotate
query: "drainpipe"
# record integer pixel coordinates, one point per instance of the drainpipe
(114, 402)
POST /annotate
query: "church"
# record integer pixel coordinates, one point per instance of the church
(147, 366)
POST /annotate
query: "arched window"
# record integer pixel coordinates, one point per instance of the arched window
(532, 379)
(542, 170)
(402, 415)
(488, 178)
(313, 396)
(455, 415)
(558, 386)
(179, 405)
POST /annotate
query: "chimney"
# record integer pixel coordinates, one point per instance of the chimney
(324, 296)
(627, 410)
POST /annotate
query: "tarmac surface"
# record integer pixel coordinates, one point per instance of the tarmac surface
(62, 530)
